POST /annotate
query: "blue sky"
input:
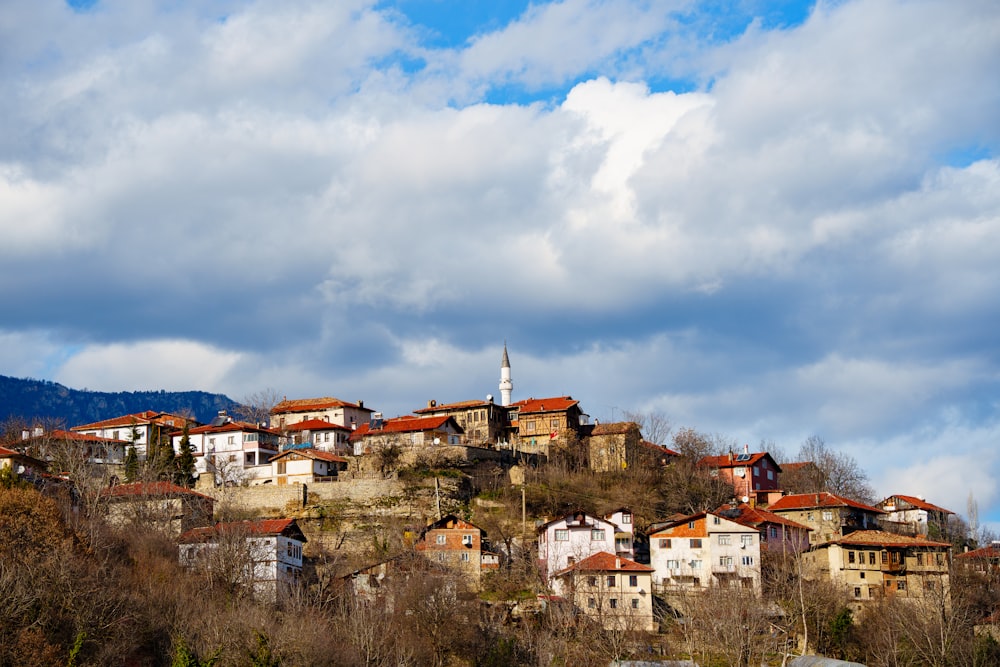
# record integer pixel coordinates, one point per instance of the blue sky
(765, 220)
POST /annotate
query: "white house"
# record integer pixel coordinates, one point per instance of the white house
(705, 549)
(616, 592)
(263, 557)
(300, 466)
(327, 408)
(320, 434)
(139, 429)
(234, 452)
(569, 539)
(624, 531)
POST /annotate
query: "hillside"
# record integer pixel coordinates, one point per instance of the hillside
(38, 399)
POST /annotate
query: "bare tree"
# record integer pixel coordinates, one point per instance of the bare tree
(838, 473)
(688, 487)
(255, 408)
(655, 425)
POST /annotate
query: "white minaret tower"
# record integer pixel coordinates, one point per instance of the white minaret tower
(506, 386)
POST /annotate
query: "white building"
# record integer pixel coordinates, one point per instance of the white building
(139, 429)
(568, 540)
(327, 408)
(705, 549)
(615, 592)
(263, 557)
(233, 452)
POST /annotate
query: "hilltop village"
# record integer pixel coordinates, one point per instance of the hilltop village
(486, 532)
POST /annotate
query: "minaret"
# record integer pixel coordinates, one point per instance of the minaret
(506, 386)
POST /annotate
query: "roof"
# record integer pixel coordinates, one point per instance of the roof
(801, 501)
(573, 515)
(451, 522)
(137, 419)
(660, 449)
(268, 527)
(992, 551)
(407, 424)
(146, 489)
(753, 516)
(881, 538)
(555, 404)
(307, 404)
(232, 426)
(461, 405)
(315, 425)
(614, 428)
(83, 437)
(733, 460)
(316, 454)
(917, 502)
(798, 465)
(602, 561)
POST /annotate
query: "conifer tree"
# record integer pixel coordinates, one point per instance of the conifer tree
(131, 464)
(184, 462)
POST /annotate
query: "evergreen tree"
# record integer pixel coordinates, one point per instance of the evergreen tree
(131, 464)
(165, 460)
(184, 462)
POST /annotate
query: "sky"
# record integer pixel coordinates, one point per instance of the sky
(764, 220)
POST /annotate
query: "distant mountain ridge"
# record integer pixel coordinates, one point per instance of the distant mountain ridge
(43, 400)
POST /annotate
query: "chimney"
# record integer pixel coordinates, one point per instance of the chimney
(618, 563)
(432, 403)
(746, 448)
(361, 403)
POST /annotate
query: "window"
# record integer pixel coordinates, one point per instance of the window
(857, 591)
(756, 471)
(529, 426)
(900, 585)
(626, 518)
(748, 560)
(726, 561)
(696, 565)
(231, 440)
(809, 516)
(774, 531)
(289, 549)
(562, 535)
(635, 603)
(770, 474)
(939, 558)
(467, 540)
(442, 539)
(673, 564)
(665, 544)
(827, 515)
(613, 603)
(464, 557)
(695, 543)
(250, 459)
(850, 556)
(724, 540)
(591, 602)
(633, 580)
(611, 581)
(691, 525)
(281, 467)
(871, 557)
(746, 540)
(592, 582)
(554, 423)
(597, 535)
(716, 520)
(920, 558)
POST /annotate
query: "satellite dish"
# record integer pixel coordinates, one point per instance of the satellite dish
(745, 499)
(20, 469)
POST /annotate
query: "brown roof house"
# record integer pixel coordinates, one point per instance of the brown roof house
(615, 592)
(457, 544)
(163, 505)
(327, 408)
(542, 422)
(828, 515)
(615, 446)
(754, 475)
(912, 515)
(485, 423)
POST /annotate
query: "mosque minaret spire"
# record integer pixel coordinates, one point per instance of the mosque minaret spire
(506, 386)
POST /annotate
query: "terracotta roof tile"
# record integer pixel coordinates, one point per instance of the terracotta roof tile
(460, 405)
(919, 503)
(555, 404)
(258, 527)
(405, 424)
(307, 404)
(754, 516)
(315, 425)
(602, 561)
(884, 539)
(813, 500)
(138, 419)
(159, 489)
(311, 453)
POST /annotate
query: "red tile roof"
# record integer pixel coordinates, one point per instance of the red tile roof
(556, 404)
(311, 453)
(286, 527)
(76, 437)
(406, 424)
(730, 460)
(229, 427)
(138, 419)
(990, 552)
(307, 404)
(801, 501)
(602, 561)
(461, 405)
(754, 516)
(660, 449)
(919, 503)
(158, 489)
(884, 539)
(316, 425)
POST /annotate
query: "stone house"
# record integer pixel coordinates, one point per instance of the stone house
(162, 505)
(614, 447)
(409, 433)
(828, 515)
(541, 422)
(485, 423)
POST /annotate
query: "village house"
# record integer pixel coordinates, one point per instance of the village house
(571, 538)
(407, 432)
(705, 549)
(139, 430)
(984, 559)
(614, 446)
(754, 476)
(373, 582)
(327, 408)
(162, 505)
(457, 544)
(21, 464)
(305, 466)
(615, 592)
(540, 422)
(263, 556)
(777, 534)
(912, 515)
(485, 423)
(829, 516)
(872, 563)
(231, 452)
(319, 434)
(622, 519)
